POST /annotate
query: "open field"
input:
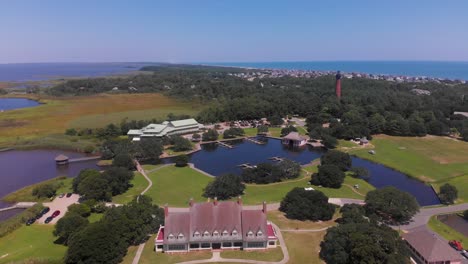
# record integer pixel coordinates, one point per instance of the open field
(282, 222)
(31, 242)
(428, 158)
(461, 183)
(59, 113)
(446, 231)
(304, 247)
(272, 254)
(25, 194)
(139, 183)
(175, 186)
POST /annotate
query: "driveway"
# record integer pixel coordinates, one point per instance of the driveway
(60, 204)
(422, 218)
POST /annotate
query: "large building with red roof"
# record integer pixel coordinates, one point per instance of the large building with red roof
(215, 225)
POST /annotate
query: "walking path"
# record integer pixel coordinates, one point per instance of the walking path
(422, 218)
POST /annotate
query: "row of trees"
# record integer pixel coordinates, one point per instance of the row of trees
(267, 172)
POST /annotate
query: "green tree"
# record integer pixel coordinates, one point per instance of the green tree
(359, 172)
(83, 175)
(328, 176)
(119, 179)
(123, 160)
(181, 143)
(80, 209)
(225, 187)
(181, 160)
(149, 149)
(95, 187)
(275, 120)
(334, 157)
(464, 134)
(307, 205)
(70, 132)
(262, 129)
(44, 190)
(210, 135)
(68, 225)
(329, 142)
(448, 193)
(391, 205)
(289, 169)
(465, 214)
(287, 130)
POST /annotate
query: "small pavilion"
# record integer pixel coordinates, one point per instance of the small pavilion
(61, 159)
(293, 139)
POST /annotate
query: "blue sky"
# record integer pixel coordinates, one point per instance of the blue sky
(230, 31)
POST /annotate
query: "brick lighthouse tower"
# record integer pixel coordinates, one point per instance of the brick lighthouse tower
(338, 85)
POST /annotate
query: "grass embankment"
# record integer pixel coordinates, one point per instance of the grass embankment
(63, 183)
(304, 247)
(139, 183)
(446, 231)
(461, 183)
(15, 222)
(282, 222)
(429, 158)
(59, 113)
(272, 254)
(33, 242)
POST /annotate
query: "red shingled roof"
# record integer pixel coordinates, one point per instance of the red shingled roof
(175, 224)
(160, 236)
(254, 220)
(271, 232)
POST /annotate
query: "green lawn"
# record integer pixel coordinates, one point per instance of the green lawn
(139, 184)
(25, 194)
(304, 247)
(461, 183)
(446, 231)
(31, 242)
(94, 217)
(273, 254)
(175, 186)
(429, 158)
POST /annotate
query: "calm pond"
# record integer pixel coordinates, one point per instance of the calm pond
(22, 168)
(218, 160)
(16, 103)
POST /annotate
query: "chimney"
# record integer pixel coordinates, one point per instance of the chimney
(239, 200)
(166, 210)
(264, 207)
(215, 202)
(190, 202)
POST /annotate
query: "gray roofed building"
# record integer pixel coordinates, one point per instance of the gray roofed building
(428, 247)
(167, 128)
(215, 225)
(294, 139)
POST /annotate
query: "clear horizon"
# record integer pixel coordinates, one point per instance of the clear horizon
(54, 31)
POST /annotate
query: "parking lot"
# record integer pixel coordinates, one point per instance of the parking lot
(60, 204)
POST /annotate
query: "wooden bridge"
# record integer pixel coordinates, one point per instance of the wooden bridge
(21, 205)
(255, 141)
(84, 159)
(225, 145)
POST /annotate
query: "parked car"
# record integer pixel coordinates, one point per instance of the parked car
(48, 219)
(55, 214)
(464, 253)
(30, 221)
(44, 211)
(456, 245)
(69, 195)
(61, 195)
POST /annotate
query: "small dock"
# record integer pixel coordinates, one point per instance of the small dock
(84, 159)
(225, 145)
(246, 166)
(255, 141)
(21, 205)
(316, 144)
(64, 160)
(276, 158)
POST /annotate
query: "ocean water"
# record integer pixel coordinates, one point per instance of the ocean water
(21, 72)
(436, 69)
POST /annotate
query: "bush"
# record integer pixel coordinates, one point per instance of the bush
(307, 205)
(285, 131)
(68, 225)
(262, 129)
(45, 190)
(328, 176)
(88, 149)
(80, 209)
(359, 172)
(233, 132)
(329, 142)
(181, 144)
(268, 173)
(210, 135)
(71, 132)
(225, 187)
(181, 160)
(465, 215)
(448, 194)
(123, 160)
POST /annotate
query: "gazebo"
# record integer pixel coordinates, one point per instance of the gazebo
(61, 159)
(293, 139)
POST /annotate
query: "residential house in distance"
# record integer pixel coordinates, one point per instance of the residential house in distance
(293, 139)
(427, 247)
(167, 128)
(215, 225)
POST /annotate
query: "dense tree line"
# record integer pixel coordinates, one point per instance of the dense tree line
(225, 187)
(265, 173)
(367, 106)
(331, 172)
(358, 239)
(307, 205)
(107, 240)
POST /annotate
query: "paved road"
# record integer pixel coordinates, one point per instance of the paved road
(422, 218)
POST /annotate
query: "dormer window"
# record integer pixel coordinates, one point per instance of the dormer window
(180, 236)
(215, 233)
(196, 234)
(171, 236)
(259, 233)
(225, 233)
(206, 234)
(234, 232)
(250, 234)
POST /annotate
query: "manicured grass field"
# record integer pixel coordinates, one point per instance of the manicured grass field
(31, 242)
(59, 113)
(272, 254)
(139, 184)
(282, 222)
(461, 183)
(446, 231)
(429, 158)
(304, 247)
(25, 194)
(175, 186)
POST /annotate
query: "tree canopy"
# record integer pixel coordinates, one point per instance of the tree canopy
(328, 175)
(225, 187)
(334, 157)
(307, 205)
(265, 173)
(448, 193)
